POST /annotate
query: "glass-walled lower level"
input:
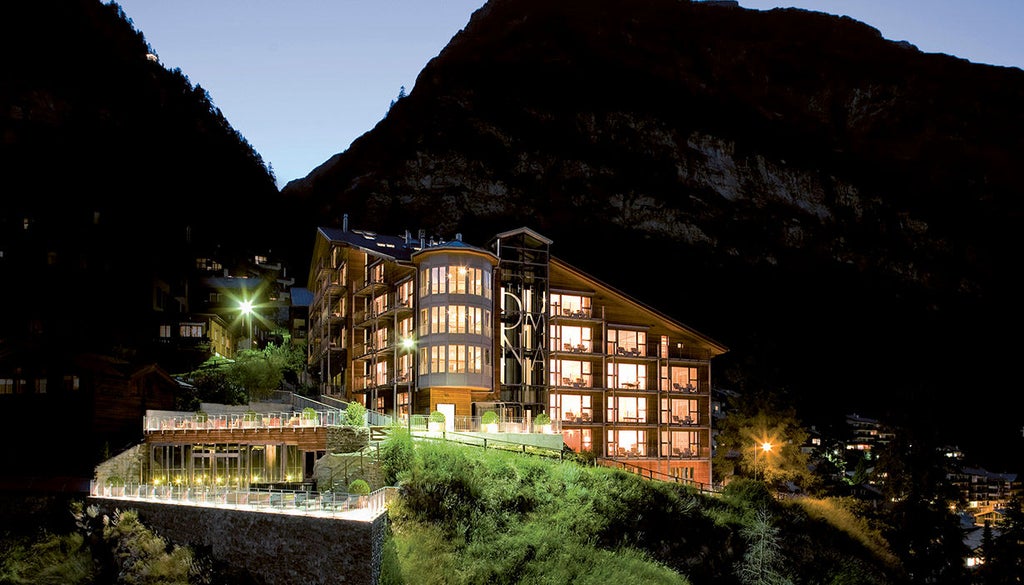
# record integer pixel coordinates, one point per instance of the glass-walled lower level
(234, 465)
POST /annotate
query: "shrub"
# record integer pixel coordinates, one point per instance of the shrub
(115, 481)
(359, 487)
(355, 414)
(249, 416)
(309, 413)
(437, 416)
(396, 454)
(542, 419)
(489, 418)
(201, 416)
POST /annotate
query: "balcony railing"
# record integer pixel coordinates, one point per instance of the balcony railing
(260, 420)
(239, 496)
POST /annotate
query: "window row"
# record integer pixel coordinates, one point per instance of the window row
(631, 443)
(570, 305)
(454, 359)
(455, 279)
(575, 408)
(455, 319)
(34, 386)
(627, 376)
(621, 342)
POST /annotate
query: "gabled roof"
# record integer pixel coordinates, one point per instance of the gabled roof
(301, 296)
(392, 247)
(527, 231)
(715, 347)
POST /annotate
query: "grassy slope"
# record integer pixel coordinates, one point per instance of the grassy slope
(472, 516)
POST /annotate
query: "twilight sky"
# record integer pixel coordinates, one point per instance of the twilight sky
(302, 79)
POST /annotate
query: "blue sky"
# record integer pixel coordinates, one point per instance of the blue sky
(302, 79)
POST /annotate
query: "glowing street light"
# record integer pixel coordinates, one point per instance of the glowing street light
(408, 344)
(766, 447)
(246, 308)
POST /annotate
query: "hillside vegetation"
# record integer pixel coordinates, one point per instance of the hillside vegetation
(483, 516)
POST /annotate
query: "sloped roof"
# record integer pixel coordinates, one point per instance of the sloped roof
(393, 247)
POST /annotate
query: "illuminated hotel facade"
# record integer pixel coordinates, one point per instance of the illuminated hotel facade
(408, 326)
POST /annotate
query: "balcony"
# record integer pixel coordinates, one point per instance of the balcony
(628, 352)
(585, 417)
(584, 381)
(686, 420)
(572, 312)
(689, 388)
(370, 287)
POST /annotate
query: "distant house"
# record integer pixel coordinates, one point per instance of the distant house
(866, 434)
(82, 410)
(986, 493)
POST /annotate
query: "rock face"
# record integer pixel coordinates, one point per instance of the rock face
(839, 209)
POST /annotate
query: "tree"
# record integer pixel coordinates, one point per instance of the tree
(741, 449)
(1004, 554)
(922, 528)
(763, 560)
(401, 94)
(355, 413)
(252, 376)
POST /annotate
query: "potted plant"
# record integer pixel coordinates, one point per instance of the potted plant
(308, 416)
(543, 422)
(200, 419)
(249, 418)
(360, 489)
(489, 422)
(436, 421)
(115, 484)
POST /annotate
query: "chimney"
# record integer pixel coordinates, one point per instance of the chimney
(423, 236)
(344, 223)
(408, 237)
(458, 237)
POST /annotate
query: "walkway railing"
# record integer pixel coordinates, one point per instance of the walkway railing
(325, 503)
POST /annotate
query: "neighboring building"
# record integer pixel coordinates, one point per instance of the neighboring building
(986, 493)
(408, 326)
(298, 316)
(65, 418)
(866, 434)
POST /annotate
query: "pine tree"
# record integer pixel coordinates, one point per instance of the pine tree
(763, 559)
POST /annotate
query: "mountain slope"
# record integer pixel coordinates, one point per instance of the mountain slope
(837, 208)
(116, 170)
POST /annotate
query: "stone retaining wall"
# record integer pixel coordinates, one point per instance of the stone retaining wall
(270, 548)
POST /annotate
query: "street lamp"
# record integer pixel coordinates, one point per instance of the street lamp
(246, 308)
(407, 345)
(766, 447)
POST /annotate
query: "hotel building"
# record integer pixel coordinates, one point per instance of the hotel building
(408, 326)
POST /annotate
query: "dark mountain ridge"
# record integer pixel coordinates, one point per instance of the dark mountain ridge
(839, 209)
(117, 170)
